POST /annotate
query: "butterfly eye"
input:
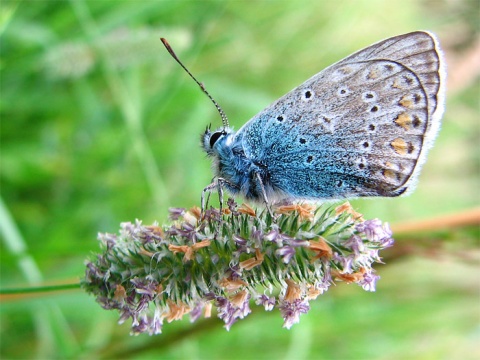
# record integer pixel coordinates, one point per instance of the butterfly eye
(215, 136)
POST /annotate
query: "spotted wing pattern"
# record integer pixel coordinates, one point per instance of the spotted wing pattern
(361, 127)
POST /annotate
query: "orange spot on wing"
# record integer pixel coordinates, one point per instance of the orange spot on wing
(396, 85)
(372, 75)
(405, 102)
(404, 120)
(400, 146)
(390, 174)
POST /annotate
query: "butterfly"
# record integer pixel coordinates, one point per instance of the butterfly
(362, 127)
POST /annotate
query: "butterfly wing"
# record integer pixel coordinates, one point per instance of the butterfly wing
(361, 127)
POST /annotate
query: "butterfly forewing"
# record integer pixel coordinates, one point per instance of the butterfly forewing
(361, 127)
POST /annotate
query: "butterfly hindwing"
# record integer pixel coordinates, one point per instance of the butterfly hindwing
(361, 127)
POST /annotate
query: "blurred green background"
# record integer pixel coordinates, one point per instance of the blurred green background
(99, 125)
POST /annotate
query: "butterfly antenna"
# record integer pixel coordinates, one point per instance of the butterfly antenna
(219, 109)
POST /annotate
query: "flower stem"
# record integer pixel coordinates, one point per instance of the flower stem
(38, 289)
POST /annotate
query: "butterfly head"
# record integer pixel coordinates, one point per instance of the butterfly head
(212, 139)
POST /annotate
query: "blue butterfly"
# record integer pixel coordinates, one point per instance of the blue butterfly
(360, 128)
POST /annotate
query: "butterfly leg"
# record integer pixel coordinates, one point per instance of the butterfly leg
(219, 184)
(207, 190)
(264, 194)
